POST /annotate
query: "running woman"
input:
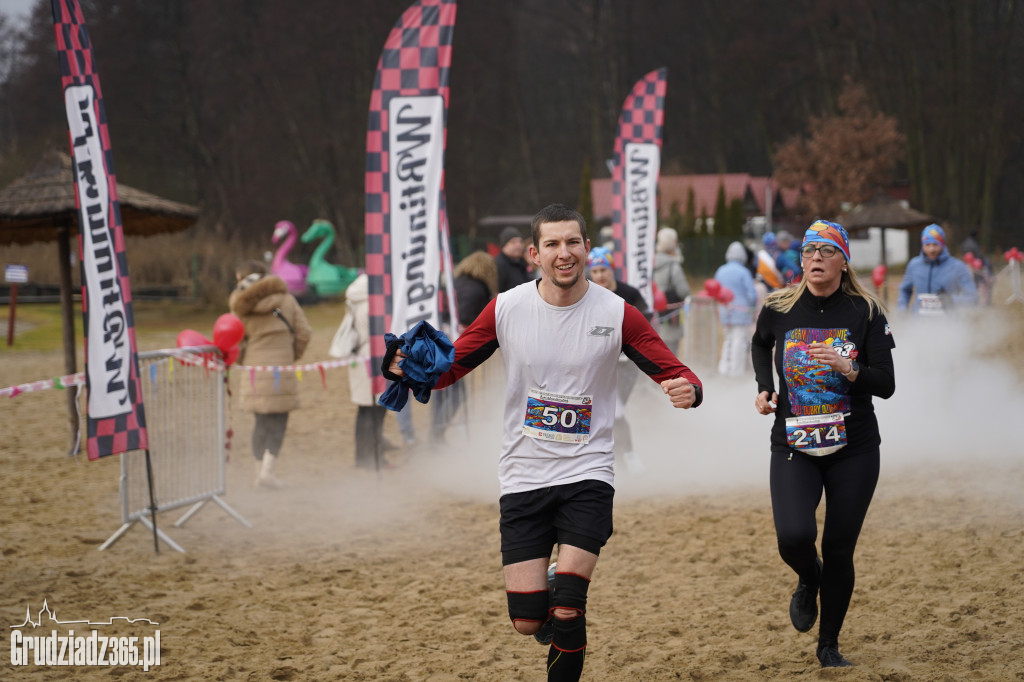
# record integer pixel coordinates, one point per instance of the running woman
(833, 352)
(560, 339)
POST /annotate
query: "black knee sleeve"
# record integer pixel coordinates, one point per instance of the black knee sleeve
(570, 592)
(570, 635)
(528, 606)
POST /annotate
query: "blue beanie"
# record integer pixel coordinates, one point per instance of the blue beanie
(933, 234)
(600, 257)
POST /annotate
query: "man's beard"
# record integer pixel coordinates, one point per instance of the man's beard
(567, 285)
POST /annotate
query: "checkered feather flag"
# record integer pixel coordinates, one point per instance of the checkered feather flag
(405, 201)
(116, 417)
(637, 164)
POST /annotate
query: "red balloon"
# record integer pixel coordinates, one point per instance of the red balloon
(1013, 255)
(878, 275)
(725, 296)
(712, 286)
(228, 330)
(702, 294)
(660, 300)
(190, 337)
(230, 355)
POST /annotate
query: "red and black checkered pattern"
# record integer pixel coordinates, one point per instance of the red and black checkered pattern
(641, 120)
(74, 51)
(416, 60)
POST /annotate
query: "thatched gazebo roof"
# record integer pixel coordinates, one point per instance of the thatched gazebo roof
(883, 210)
(40, 206)
(887, 212)
(35, 206)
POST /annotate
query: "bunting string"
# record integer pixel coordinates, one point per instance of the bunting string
(206, 360)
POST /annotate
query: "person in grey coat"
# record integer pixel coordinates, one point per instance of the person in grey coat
(671, 280)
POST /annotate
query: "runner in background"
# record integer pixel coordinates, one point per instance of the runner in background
(935, 282)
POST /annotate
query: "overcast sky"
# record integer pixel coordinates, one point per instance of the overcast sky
(17, 8)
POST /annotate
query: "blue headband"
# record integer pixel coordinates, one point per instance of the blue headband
(600, 257)
(829, 233)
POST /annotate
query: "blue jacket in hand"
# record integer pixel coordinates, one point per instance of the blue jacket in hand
(429, 353)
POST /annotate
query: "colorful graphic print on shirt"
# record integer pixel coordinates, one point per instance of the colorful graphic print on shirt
(813, 387)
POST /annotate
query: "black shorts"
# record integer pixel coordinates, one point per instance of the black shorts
(578, 514)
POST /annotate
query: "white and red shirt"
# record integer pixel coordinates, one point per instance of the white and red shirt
(561, 366)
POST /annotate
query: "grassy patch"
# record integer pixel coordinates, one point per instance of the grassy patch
(37, 327)
(157, 323)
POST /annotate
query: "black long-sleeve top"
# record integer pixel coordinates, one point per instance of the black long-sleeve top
(808, 387)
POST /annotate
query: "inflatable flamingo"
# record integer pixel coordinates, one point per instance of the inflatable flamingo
(293, 275)
(326, 279)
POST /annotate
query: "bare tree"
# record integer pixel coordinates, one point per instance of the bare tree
(845, 158)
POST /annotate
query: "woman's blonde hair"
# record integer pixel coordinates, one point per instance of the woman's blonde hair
(480, 266)
(783, 300)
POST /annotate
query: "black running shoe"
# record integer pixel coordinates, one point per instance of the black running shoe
(547, 630)
(830, 657)
(803, 607)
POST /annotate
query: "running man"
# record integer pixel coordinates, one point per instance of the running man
(560, 339)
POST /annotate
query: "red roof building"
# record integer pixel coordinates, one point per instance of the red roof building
(752, 191)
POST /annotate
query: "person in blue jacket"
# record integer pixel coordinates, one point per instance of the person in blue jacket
(788, 260)
(942, 279)
(737, 315)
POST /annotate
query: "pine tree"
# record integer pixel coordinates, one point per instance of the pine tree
(722, 227)
(675, 218)
(690, 216)
(737, 217)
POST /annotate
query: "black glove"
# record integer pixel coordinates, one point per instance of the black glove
(385, 366)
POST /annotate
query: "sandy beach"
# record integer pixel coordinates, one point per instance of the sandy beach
(351, 575)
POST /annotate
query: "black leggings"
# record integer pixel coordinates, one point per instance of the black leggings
(848, 482)
(268, 433)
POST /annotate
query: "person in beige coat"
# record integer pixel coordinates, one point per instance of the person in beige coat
(353, 339)
(276, 333)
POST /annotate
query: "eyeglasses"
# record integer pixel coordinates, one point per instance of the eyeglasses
(826, 251)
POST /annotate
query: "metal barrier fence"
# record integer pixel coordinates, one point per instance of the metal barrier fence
(184, 399)
(701, 344)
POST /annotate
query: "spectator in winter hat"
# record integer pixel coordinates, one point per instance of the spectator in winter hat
(512, 267)
(738, 314)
